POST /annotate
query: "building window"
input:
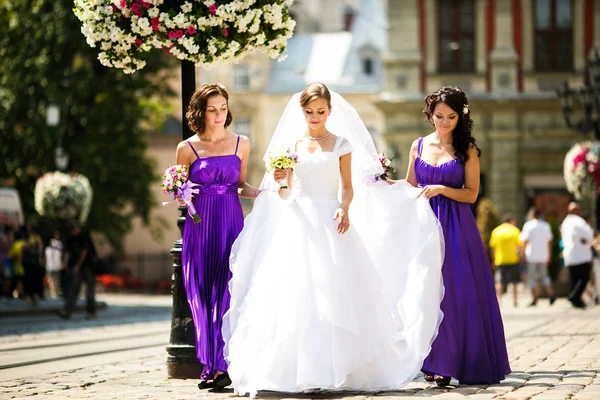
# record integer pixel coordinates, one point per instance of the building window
(242, 126)
(553, 35)
(241, 77)
(348, 18)
(367, 66)
(456, 35)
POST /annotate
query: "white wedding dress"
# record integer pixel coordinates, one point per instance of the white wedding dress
(311, 308)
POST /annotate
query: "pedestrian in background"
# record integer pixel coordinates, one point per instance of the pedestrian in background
(536, 237)
(577, 238)
(505, 244)
(54, 264)
(79, 253)
(15, 255)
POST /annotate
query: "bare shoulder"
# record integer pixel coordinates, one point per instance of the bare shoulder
(473, 150)
(244, 140)
(183, 144)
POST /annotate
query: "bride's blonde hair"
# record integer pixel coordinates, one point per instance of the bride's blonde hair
(313, 91)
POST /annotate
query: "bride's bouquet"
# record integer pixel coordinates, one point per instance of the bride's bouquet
(286, 160)
(386, 164)
(176, 183)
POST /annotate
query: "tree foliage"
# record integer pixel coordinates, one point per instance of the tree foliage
(44, 59)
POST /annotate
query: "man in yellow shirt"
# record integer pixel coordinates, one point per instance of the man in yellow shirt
(505, 244)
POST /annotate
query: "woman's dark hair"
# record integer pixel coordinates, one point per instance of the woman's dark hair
(456, 99)
(197, 107)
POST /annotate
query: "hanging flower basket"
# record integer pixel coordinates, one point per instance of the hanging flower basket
(206, 32)
(63, 196)
(581, 169)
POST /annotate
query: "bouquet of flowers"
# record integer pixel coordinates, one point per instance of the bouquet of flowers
(581, 169)
(285, 160)
(64, 196)
(176, 183)
(386, 164)
(206, 32)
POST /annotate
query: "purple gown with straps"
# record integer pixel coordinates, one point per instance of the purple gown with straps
(470, 345)
(206, 249)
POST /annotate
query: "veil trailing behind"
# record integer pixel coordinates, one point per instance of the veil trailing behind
(311, 308)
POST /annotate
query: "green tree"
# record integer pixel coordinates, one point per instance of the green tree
(44, 59)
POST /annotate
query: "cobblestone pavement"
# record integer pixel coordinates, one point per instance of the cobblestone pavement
(554, 353)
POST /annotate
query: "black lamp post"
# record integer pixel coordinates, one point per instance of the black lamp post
(182, 362)
(588, 98)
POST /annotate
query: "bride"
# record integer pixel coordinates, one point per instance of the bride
(325, 294)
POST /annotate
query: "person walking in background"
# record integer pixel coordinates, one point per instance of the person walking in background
(79, 253)
(536, 237)
(54, 264)
(33, 262)
(577, 238)
(15, 255)
(505, 245)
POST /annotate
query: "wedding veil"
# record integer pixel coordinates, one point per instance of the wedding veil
(344, 121)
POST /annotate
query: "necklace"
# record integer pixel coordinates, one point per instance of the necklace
(320, 137)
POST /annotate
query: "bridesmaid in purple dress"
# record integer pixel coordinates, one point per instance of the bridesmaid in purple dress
(218, 161)
(470, 346)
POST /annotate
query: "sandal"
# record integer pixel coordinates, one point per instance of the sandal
(442, 380)
(429, 378)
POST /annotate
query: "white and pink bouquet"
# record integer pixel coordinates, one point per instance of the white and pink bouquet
(285, 160)
(386, 164)
(581, 169)
(177, 184)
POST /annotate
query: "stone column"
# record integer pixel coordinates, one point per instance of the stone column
(504, 177)
(504, 59)
(402, 61)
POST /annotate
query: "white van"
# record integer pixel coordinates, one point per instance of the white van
(11, 211)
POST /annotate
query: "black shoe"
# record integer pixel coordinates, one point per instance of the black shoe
(206, 385)
(429, 378)
(578, 304)
(62, 314)
(221, 381)
(552, 300)
(533, 304)
(442, 380)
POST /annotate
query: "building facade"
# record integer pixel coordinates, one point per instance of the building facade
(384, 57)
(509, 56)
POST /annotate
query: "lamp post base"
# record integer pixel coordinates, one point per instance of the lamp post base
(182, 362)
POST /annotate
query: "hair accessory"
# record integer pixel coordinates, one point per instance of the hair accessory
(465, 109)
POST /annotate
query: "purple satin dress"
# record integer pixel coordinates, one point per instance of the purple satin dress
(206, 249)
(470, 346)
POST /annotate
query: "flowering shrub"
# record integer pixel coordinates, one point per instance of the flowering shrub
(58, 195)
(205, 32)
(581, 169)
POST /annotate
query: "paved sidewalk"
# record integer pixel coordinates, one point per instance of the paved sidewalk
(554, 354)
(13, 307)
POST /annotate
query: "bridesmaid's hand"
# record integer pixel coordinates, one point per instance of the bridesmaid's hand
(280, 174)
(344, 221)
(430, 191)
(180, 201)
